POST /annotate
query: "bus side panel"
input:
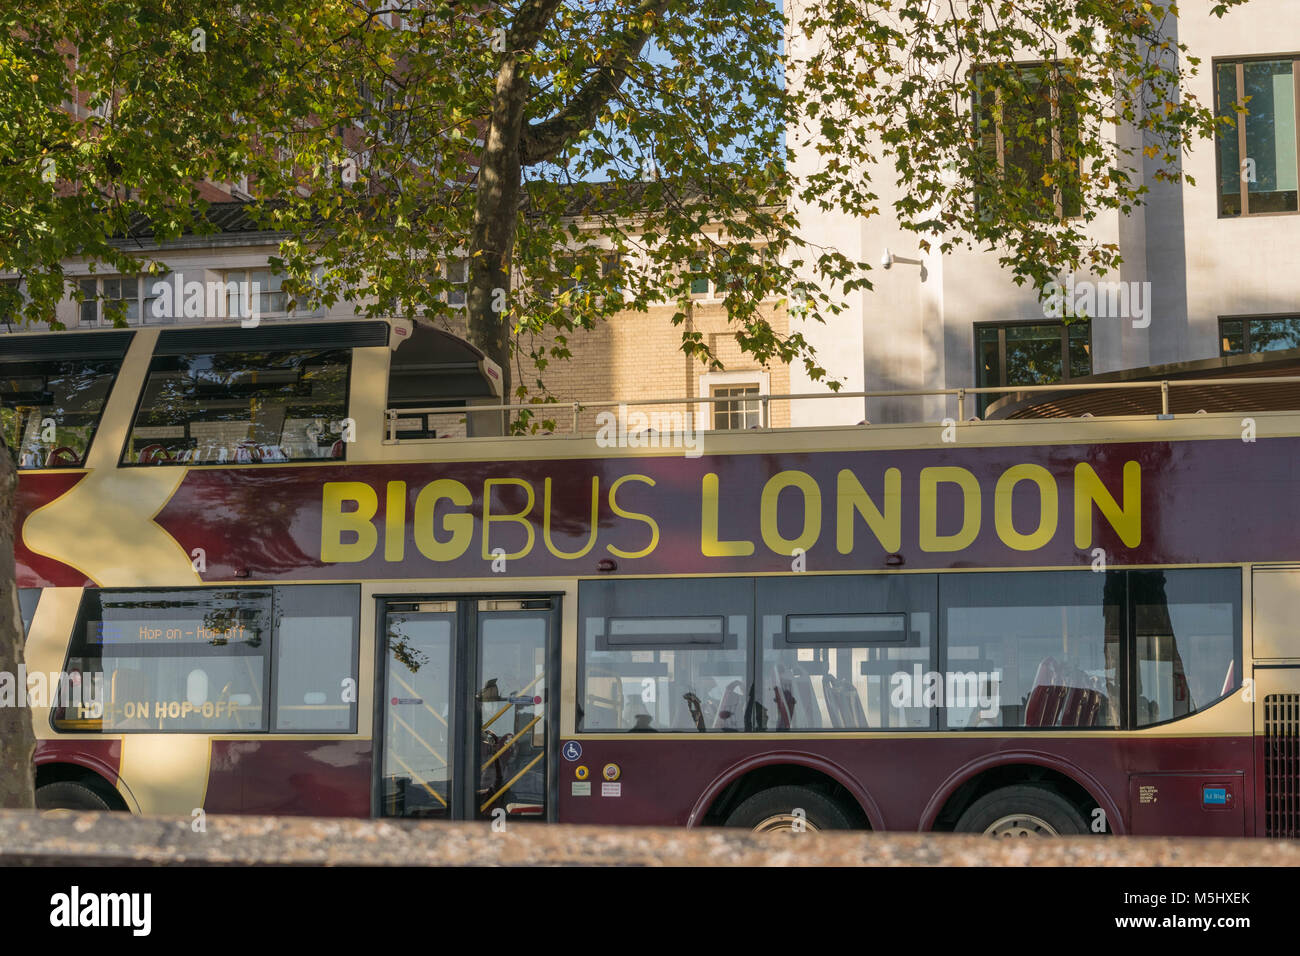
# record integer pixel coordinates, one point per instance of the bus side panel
(659, 781)
(32, 570)
(102, 756)
(321, 778)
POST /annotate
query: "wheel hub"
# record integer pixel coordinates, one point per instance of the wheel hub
(1020, 825)
(785, 822)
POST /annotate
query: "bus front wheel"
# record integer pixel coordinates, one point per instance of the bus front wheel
(68, 795)
(1022, 811)
(795, 809)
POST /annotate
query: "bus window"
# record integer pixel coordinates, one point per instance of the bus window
(27, 600)
(1188, 640)
(242, 408)
(838, 650)
(50, 408)
(645, 670)
(316, 658)
(183, 660)
(1030, 649)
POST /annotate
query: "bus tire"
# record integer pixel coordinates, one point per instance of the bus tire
(67, 795)
(779, 809)
(1022, 811)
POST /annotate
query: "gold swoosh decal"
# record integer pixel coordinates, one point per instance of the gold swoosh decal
(103, 526)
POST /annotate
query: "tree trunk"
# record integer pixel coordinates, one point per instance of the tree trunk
(17, 741)
(496, 212)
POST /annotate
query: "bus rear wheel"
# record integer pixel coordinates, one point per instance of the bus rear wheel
(68, 795)
(792, 809)
(1022, 811)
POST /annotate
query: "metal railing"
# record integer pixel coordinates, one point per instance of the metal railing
(764, 400)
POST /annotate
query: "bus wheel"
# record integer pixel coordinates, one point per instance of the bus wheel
(793, 809)
(1022, 811)
(66, 795)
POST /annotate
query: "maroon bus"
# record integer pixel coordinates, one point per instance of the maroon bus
(256, 578)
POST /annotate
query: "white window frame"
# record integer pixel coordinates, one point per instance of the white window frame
(740, 377)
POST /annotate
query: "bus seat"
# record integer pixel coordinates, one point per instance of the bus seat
(1046, 697)
(730, 714)
(852, 705)
(808, 714)
(63, 457)
(830, 695)
(1081, 709)
(784, 697)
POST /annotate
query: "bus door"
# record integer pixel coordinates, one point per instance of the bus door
(463, 711)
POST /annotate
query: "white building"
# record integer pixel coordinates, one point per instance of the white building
(1223, 280)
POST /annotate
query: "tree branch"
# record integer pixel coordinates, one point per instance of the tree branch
(541, 141)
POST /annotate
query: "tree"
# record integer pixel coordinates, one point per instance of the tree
(534, 139)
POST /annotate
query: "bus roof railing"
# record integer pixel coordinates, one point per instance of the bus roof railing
(764, 400)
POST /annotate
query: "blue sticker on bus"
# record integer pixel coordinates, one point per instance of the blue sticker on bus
(1214, 796)
(572, 750)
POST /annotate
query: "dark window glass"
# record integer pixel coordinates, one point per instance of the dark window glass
(157, 661)
(1268, 169)
(653, 658)
(1232, 337)
(316, 658)
(49, 410)
(27, 600)
(1268, 335)
(1230, 171)
(1027, 125)
(988, 361)
(845, 652)
(1258, 335)
(1188, 636)
(1035, 649)
(1080, 347)
(1033, 354)
(242, 407)
(1271, 136)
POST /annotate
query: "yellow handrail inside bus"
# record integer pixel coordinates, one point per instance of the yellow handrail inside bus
(427, 746)
(511, 782)
(411, 690)
(513, 740)
(508, 706)
(420, 780)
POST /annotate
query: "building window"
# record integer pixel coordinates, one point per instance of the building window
(1257, 154)
(1040, 353)
(1027, 120)
(125, 297)
(1265, 334)
(739, 411)
(457, 275)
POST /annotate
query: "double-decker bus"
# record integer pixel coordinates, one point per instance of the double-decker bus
(273, 570)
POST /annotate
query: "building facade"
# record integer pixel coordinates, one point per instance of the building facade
(1213, 262)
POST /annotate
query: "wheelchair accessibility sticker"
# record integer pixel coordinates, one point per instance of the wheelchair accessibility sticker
(572, 750)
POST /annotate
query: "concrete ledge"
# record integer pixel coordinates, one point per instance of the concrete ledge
(65, 838)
